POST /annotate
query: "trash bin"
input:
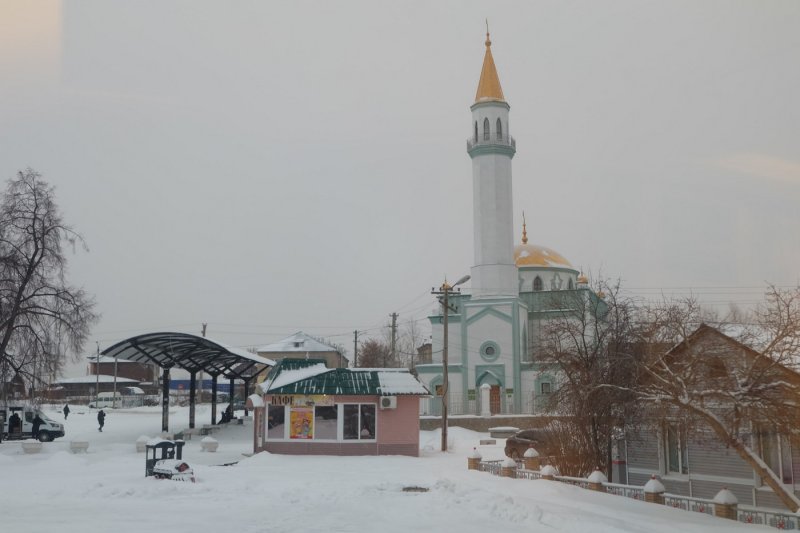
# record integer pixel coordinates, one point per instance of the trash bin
(158, 449)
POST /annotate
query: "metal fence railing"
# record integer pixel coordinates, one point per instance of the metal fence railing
(745, 514)
(765, 517)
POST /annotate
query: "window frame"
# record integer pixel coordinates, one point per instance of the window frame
(681, 448)
(780, 445)
(360, 438)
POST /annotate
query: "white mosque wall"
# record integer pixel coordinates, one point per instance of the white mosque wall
(552, 278)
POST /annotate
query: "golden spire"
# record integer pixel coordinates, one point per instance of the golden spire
(489, 89)
(524, 230)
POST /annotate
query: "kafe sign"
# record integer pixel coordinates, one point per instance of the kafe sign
(301, 400)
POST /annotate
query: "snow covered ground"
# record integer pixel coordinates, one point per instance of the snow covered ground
(105, 490)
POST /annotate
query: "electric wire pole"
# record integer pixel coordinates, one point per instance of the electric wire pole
(355, 348)
(394, 338)
(445, 291)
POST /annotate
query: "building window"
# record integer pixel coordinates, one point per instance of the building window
(275, 422)
(476, 131)
(776, 451)
(490, 351)
(326, 419)
(677, 455)
(499, 129)
(546, 388)
(486, 129)
(570, 286)
(359, 421)
(537, 283)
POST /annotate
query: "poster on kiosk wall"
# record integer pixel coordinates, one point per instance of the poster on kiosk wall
(301, 423)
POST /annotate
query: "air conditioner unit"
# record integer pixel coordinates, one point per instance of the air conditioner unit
(389, 402)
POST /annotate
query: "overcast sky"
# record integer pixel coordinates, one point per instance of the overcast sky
(274, 167)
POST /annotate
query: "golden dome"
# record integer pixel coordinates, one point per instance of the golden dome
(489, 89)
(583, 279)
(534, 255)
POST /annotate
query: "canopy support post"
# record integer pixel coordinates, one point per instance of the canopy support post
(214, 399)
(165, 400)
(192, 387)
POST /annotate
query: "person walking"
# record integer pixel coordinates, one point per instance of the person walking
(37, 422)
(101, 419)
(66, 411)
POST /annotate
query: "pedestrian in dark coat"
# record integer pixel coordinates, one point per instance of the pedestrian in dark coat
(101, 419)
(66, 411)
(37, 421)
(14, 424)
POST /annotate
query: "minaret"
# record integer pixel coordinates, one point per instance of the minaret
(491, 148)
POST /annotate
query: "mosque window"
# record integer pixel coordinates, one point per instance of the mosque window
(486, 129)
(490, 351)
(570, 286)
(537, 283)
(499, 129)
(476, 131)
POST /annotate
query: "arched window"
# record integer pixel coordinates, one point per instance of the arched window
(476, 131)
(570, 286)
(499, 129)
(486, 129)
(537, 283)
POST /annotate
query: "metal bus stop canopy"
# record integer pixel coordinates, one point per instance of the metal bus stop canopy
(193, 354)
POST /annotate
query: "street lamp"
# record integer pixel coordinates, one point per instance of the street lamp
(445, 291)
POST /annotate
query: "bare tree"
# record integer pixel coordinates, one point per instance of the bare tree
(41, 315)
(741, 386)
(374, 354)
(589, 342)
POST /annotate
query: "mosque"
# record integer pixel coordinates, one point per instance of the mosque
(493, 331)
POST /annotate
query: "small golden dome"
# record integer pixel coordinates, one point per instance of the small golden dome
(534, 255)
(583, 279)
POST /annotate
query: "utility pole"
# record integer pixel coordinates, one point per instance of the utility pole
(445, 291)
(355, 348)
(394, 338)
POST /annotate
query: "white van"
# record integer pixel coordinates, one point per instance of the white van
(105, 400)
(48, 430)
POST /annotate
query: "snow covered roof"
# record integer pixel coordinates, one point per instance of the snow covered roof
(299, 342)
(311, 376)
(190, 352)
(94, 378)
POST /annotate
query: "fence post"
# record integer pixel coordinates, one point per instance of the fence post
(654, 491)
(726, 504)
(474, 460)
(531, 459)
(596, 480)
(508, 468)
(549, 472)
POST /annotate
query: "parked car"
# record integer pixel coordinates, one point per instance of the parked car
(517, 444)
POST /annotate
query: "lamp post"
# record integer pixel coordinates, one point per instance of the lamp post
(445, 291)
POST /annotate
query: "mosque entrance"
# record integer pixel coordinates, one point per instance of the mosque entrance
(494, 400)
